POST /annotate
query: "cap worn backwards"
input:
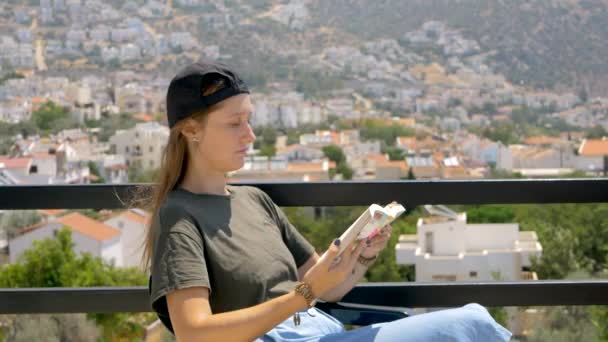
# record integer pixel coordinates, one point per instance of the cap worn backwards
(186, 93)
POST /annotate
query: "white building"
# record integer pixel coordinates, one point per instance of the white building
(446, 248)
(143, 143)
(88, 235)
(132, 225)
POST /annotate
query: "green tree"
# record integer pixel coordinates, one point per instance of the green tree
(388, 133)
(268, 150)
(55, 327)
(49, 115)
(490, 214)
(95, 171)
(53, 263)
(10, 75)
(334, 153)
(503, 132)
(410, 174)
(137, 174)
(11, 222)
(110, 124)
(269, 135)
(596, 132)
(394, 153)
(345, 171)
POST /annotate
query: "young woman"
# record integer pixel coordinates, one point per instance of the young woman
(226, 264)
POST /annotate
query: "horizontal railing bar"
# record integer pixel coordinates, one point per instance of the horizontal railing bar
(409, 193)
(446, 294)
(135, 299)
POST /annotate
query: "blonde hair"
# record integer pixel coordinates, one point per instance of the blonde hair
(173, 166)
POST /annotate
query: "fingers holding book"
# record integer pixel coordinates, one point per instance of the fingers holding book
(376, 243)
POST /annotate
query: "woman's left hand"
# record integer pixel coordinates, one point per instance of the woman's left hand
(377, 243)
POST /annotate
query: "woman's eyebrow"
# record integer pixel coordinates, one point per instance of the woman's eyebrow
(241, 113)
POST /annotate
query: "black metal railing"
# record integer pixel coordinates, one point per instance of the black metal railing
(406, 294)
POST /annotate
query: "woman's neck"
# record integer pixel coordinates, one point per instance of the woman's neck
(204, 181)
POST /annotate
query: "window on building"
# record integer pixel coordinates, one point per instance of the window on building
(127, 149)
(151, 163)
(428, 240)
(444, 277)
(473, 274)
(151, 149)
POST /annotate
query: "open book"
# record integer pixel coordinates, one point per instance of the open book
(370, 222)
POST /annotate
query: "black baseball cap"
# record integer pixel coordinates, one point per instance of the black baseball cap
(185, 94)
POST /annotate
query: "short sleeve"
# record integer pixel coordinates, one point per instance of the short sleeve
(299, 247)
(179, 258)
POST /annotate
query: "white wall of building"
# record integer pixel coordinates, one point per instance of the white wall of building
(111, 251)
(451, 250)
(82, 243)
(132, 235)
(143, 143)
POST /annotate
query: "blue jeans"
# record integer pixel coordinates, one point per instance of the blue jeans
(471, 322)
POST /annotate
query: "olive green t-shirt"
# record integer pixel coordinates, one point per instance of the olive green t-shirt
(241, 246)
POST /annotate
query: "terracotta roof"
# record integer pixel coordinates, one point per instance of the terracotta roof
(143, 117)
(309, 167)
(407, 121)
(51, 212)
(136, 217)
(542, 140)
(117, 167)
(15, 163)
(594, 147)
(382, 161)
(335, 136)
(93, 177)
(89, 227)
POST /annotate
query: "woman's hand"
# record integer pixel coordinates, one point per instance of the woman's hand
(377, 243)
(330, 272)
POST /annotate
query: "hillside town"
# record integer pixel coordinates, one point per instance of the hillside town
(82, 101)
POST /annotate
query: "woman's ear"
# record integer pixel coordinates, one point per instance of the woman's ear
(191, 130)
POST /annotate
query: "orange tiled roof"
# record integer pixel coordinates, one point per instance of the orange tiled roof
(143, 117)
(541, 140)
(308, 167)
(594, 147)
(89, 227)
(51, 212)
(135, 217)
(382, 161)
(15, 163)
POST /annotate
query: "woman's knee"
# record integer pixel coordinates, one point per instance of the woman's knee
(478, 319)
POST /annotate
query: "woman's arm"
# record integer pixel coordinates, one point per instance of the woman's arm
(338, 292)
(377, 244)
(192, 318)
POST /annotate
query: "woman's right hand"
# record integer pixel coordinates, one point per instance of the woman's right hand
(328, 272)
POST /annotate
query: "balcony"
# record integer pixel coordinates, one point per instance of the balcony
(361, 305)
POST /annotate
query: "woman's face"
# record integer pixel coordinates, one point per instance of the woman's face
(226, 135)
